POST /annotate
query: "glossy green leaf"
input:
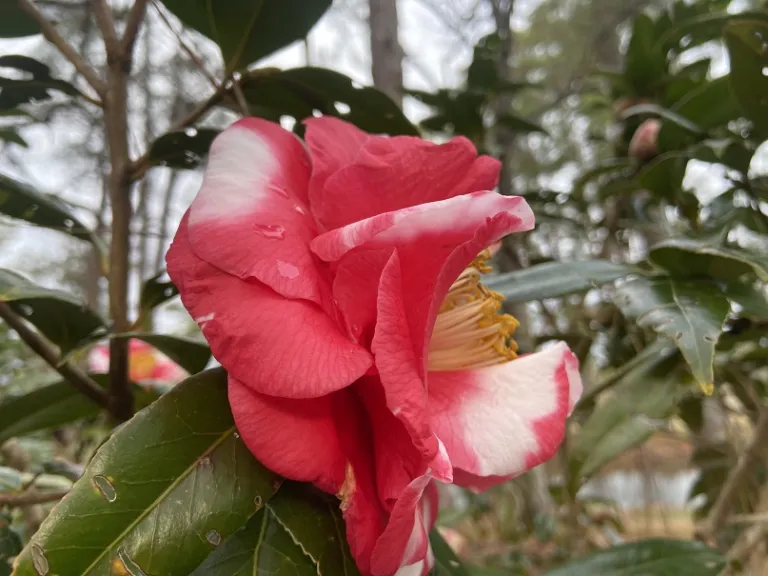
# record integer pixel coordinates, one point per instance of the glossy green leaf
(659, 111)
(184, 149)
(637, 407)
(686, 257)
(664, 176)
(745, 40)
(164, 491)
(16, 91)
(192, 355)
(518, 124)
(299, 532)
(55, 405)
(13, 137)
(155, 292)
(555, 279)
(247, 30)
(646, 62)
(692, 314)
(10, 543)
(446, 561)
(62, 318)
(303, 92)
(656, 556)
(752, 300)
(14, 22)
(18, 200)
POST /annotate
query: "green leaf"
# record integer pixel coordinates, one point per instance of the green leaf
(751, 299)
(155, 292)
(301, 92)
(664, 176)
(555, 279)
(656, 556)
(446, 561)
(642, 399)
(518, 124)
(646, 62)
(159, 495)
(9, 135)
(687, 257)
(63, 319)
(55, 405)
(14, 22)
(692, 314)
(20, 201)
(299, 532)
(192, 355)
(664, 113)
(247, 30)
(184, 149)
(745, 40)
(14, 92)
(10, 542)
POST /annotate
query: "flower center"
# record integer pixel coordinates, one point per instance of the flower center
(469, 331)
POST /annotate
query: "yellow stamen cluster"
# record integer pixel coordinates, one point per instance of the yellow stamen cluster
(469, 331)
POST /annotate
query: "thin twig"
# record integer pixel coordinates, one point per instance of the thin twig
(737, 481)
(53, 36)
(239, 96)
(135, 18)
(103, 14)
(74, 375)
(185, 47)
(30, 498)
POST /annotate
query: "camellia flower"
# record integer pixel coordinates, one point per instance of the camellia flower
(339, 285)
(146, 364)
(645, 141)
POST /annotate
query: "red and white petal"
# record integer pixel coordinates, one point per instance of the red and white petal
(274, 345)
(403, 548)
(251, 217)
(497, 422)
(394, 173)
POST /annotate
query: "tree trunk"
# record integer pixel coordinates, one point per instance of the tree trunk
(386, 52)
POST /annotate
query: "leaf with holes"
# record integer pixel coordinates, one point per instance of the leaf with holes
(689, 257)
(184, 149)
(299, 92)
(299, 532)
(164, 491)
(62, 318)
(247, 30)
(55, 405)
(555, 279)
(16, 91)
(20, 201)
(655, 556)
(746, 41)
(690, 313)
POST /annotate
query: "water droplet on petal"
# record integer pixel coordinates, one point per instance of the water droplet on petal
(104, 486)
(300, 210)
(270, 231)
(287, 270)
(213, 537)
(130, 566)
(39, 561)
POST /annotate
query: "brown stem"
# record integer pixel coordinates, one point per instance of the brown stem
(119, 61)
(53, 36)
(737, 480)
(71, 373)
(31, 498)
(135, 18)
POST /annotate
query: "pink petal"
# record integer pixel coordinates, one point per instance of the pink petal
(500, 421)
(403, 548)
(380, 174)
(251, 216)
(272, 344)
(325, 441)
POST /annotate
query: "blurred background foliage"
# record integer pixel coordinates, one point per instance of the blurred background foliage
(634, 129)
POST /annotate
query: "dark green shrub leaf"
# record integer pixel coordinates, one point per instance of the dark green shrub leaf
(14, 92)
(247, 30)
(192, 355)
(687, 257)
(692, 314)
(745, 40)
(446, 561)
(14, 22)
(555, 279)
(679, 557)
(183, 149)
(161, 494)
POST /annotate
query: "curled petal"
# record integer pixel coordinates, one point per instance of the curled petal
(251, 217)
(497, 422)
(272, 344)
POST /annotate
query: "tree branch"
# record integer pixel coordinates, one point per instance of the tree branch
(31, 498)
(135, 18)
(737, 480)
(71, 373)
(53, 36)
(103, 14)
